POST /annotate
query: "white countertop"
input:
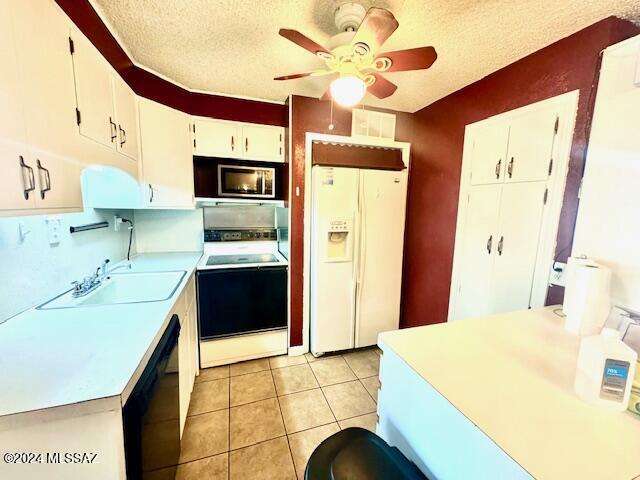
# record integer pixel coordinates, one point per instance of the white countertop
(51, 358)
(512, 375)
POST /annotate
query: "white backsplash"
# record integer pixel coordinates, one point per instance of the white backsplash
(32, 270)
(169, 230)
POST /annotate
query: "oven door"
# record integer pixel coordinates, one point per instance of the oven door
(240, 181)
(241, 300)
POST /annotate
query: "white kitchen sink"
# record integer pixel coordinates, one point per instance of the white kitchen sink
(121, 288)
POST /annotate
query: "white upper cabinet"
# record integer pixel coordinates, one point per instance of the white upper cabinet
(94, 96)
(17, 185)
(488, 157)
(263, 142)
(531, 139)
(216, 138)
(246, 141)
(167, 163)
(126, 114)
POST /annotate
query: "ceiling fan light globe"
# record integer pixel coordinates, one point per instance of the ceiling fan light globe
(348, 90)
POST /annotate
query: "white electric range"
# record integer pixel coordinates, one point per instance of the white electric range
(242, 293)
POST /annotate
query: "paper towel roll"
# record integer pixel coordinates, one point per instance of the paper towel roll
(572, 264)
(589, 302)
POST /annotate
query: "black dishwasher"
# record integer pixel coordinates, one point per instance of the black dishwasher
(241, 300)
(151, 416)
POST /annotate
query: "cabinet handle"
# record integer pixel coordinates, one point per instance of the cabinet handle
(500, 245)
(233, 143)
(498, 165)
(246, 144)
(32, 181)
(123, 136)
(489, 244)
(47, 178)
(113, 130)
(150, 193)
(510, 168)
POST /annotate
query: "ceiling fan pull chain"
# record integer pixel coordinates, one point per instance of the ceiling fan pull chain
(331, 125)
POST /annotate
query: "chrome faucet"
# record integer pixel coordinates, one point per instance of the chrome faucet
(89, 284)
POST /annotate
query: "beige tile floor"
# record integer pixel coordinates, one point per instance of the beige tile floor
(262, 419)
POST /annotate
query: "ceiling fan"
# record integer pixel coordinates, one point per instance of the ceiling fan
(354, 54)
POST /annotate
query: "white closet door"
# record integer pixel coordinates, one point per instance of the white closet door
(383, 196)
(15, 178)
(478, 252)
(517, 245)
(530, 146)
(489, 152)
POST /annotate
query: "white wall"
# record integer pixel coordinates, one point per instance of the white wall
(32, 271)
(168, 230)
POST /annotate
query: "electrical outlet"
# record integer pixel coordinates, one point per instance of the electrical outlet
(557, 274)
(54, 225)
(117, 222)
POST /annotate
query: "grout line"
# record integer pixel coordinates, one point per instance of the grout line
(325, 397)
(284, 427)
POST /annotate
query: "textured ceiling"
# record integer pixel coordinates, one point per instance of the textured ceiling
(233, 46)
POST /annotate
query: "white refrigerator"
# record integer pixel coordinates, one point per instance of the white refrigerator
(357, 240)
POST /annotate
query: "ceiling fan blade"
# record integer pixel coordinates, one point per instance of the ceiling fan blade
(410, 59)
(293, 76)
(381, 88)
(326, 95)
(377, 26)
(302, 41)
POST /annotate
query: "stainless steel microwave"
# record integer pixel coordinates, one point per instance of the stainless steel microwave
(241, 181)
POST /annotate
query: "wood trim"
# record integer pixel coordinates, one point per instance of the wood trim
(356, 156)
(153, 87)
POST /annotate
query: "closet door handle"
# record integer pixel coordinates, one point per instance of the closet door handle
(32, 181)
(500, 245)
(47, 177)
(510, 168)
(113, 129)
(489, 244)
(150, 193)
(123, 135)
(498, 165)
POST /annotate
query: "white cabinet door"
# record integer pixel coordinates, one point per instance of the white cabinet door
(263, 142)
(16, 178)
(127, 115)
(214, 138)
(58, 181)
(488, 157)
(46, 70)
(478, 252)
(530, 146)
(383, 197)
(167, 165)
(516, 245)
(94, 94)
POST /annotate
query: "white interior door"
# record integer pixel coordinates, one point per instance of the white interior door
(332, 299)
(383, 196)
(478, 252)
(217, 139)
(488, 157)
(530, 146)
(166, 156)
(15, 178)
(127, 114)
(521, 208)
(94, 95)
(263, 142)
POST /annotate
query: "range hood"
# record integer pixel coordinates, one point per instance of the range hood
(110, 187)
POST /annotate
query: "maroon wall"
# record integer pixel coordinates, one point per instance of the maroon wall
(569, 64)
(313, 115)
(151, 86)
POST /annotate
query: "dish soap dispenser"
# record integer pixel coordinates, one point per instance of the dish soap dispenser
(606, 367)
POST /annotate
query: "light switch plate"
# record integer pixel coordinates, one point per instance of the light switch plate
(557, 274)
(54, 227)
